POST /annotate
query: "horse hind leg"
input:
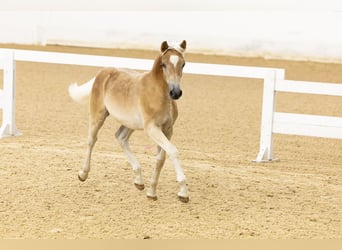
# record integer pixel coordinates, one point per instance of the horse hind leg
(123, 134)
(96, 121)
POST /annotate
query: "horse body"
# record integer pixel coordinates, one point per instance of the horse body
(118, 90)
(138, 101)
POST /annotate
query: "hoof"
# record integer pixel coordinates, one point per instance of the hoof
(183, 199)
(81, 179)
(82, 176)
(152, 198)
(139, 186)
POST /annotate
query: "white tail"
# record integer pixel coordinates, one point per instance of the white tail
(80, 93)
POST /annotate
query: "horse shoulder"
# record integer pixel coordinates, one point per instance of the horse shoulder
(156, 106)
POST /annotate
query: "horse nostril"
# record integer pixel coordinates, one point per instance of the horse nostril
(175, 94)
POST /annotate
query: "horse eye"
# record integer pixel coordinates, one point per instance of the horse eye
(164, 65)
(183, 65)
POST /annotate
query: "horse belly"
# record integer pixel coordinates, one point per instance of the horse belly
(129, 117)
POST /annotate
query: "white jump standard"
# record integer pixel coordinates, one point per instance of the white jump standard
(7, 94)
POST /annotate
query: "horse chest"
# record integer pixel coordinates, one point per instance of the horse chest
(160, 114)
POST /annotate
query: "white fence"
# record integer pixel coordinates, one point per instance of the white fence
(295, 124)
(272, 121)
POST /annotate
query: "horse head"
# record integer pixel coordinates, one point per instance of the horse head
(172, 63)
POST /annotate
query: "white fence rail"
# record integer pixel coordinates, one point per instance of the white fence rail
(318, 88)
(308, 125)
(272, 121)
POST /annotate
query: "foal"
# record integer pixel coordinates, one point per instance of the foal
(138, 101)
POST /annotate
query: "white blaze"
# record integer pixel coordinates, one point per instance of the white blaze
(174, 60)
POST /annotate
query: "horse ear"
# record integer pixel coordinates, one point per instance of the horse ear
(164, 46)
(183, 45)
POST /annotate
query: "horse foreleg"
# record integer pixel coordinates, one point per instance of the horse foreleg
(152, 193)
(159, 137)
(123, 135)
(95, 123)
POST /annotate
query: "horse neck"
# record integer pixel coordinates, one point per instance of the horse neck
(157, 70)
(156, 79)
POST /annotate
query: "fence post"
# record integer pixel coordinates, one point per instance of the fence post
(8, 127)
(268, 108)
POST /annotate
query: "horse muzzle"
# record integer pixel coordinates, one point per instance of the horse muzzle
(175, 93)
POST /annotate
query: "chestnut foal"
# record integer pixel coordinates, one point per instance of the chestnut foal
(138, 101)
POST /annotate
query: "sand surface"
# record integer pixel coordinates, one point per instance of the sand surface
(217, 134)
